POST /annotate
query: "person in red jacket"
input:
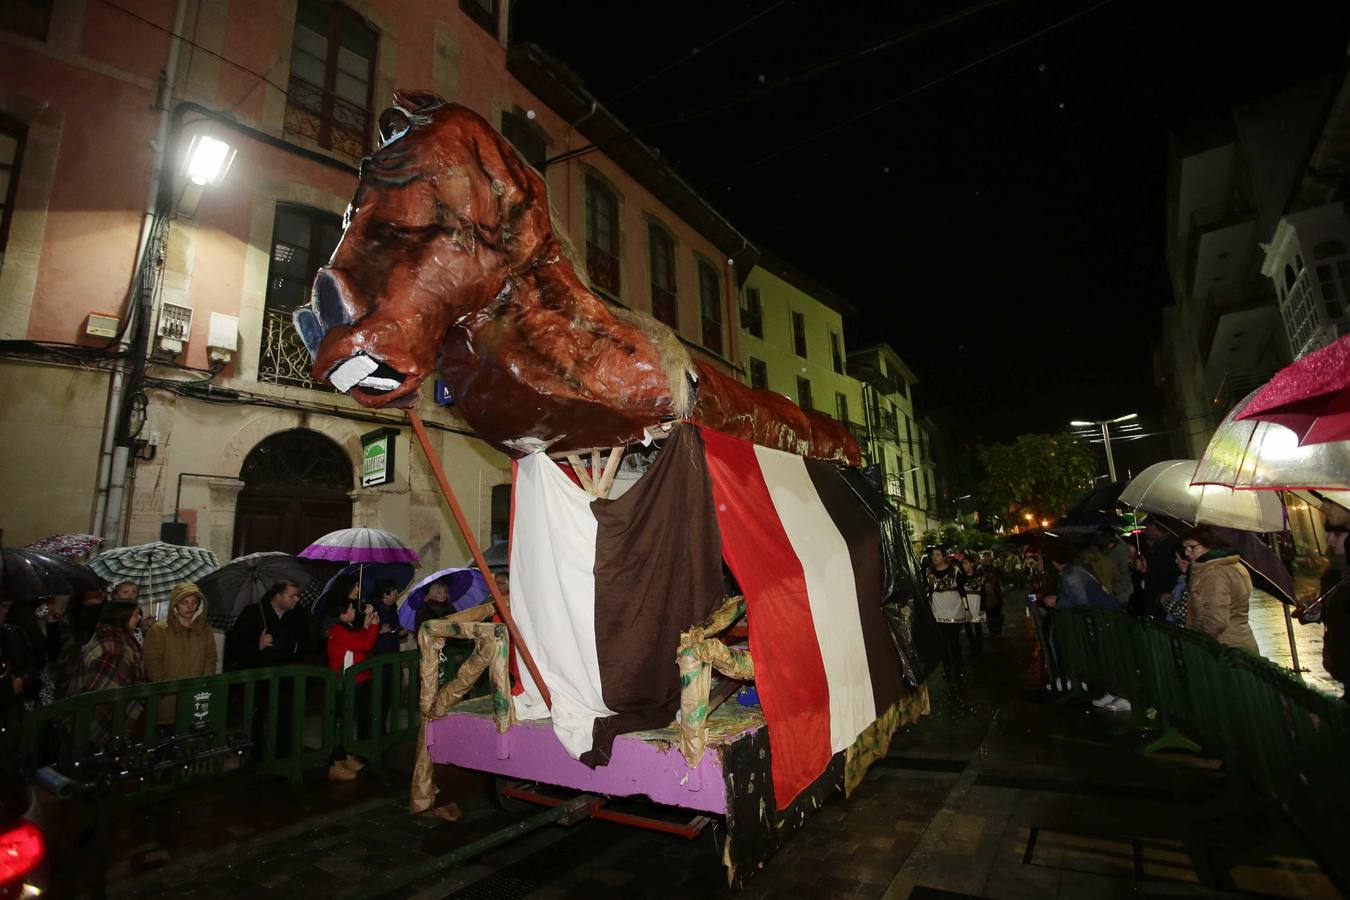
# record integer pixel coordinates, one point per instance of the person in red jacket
(348, 644)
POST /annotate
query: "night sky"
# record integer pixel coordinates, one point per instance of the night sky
(1004, 226)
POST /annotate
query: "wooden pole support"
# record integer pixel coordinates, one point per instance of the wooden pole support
(503, 609)
(579, 467)
(611, 472)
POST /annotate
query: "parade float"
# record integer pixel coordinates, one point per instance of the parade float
(628, 662)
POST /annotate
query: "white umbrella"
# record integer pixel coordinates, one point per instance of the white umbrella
(1165, 488)
(1251, 455)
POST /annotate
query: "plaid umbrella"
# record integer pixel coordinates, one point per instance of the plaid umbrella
(155, 568)
(358, 545)
(68, 546)
(26, 575)
(230, 589)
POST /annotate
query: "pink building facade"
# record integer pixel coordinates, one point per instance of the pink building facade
(226, 434)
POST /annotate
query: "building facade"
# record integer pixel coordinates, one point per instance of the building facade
(1307, 256)
(792, 341)
(897, 442)
(221, 427)
(1229, 177)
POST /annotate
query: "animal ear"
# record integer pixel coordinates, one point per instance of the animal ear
(417, 101)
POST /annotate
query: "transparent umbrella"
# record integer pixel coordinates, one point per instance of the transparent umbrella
(1253, 455)
(1165, 488)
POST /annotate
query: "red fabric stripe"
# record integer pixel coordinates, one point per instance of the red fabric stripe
(789, 672)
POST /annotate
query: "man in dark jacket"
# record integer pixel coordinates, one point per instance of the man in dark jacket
(1162, 573)
(272, 632)
(1335, 592)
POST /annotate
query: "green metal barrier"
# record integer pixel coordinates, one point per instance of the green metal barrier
(266, 706)
(382, 710)
(1289, 741)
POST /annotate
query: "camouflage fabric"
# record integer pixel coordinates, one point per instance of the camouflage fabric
(489, 653)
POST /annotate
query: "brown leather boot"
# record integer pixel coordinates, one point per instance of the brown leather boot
(338, 772)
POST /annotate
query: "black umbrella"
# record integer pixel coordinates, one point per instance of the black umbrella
(1102, 498)
(241, 582)
(26, 575)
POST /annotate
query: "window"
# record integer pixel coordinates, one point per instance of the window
(804, 393)
(799, 334)
(841, 407)
(328, 99)
(710, 303)
(30, 18)
(661, 258)
(1334, 291)
(483, 13)
(302, 240)
(1299, 311)
(602, 236)
(526, 138)
(12, 134)
(759, 374)
(752, 313)
(837, 352)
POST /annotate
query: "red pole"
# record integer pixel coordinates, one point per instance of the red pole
(503, 609)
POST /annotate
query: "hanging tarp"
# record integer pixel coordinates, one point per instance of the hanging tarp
(602, 589)
(806, 552)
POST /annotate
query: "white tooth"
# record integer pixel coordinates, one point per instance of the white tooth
(379, 384)
(349, 374)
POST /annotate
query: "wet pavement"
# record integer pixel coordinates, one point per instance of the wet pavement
(1266, 615)
(1002, 792)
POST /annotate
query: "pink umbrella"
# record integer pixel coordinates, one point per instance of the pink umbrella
(1310, 396)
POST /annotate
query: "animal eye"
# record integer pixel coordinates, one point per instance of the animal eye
(393, 124)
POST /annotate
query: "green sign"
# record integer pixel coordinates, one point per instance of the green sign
(377, 457)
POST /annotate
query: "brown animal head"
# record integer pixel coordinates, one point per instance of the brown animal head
(444, 215)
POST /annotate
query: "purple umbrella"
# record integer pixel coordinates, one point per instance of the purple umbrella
(358, 545)
(466, 585)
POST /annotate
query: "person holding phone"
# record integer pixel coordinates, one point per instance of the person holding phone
(350, 641)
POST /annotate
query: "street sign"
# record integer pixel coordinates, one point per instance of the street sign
(443, 395)
(377, 457)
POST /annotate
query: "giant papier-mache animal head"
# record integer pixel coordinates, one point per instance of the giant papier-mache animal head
(444, 215)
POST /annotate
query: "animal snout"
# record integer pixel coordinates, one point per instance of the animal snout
(330, 300)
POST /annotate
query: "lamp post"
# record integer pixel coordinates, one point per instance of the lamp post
(1105, 426)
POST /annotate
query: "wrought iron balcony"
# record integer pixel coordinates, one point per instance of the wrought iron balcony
(327, 120)
(283, 357)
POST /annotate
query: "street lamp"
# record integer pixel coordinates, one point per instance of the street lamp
(1105, 426)
(205, 165)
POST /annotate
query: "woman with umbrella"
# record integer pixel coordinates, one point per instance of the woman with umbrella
(350, 641)
(181, 646)
(112, 659)
(1220, 590)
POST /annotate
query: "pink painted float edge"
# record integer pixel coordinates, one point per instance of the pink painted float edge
(532, 753)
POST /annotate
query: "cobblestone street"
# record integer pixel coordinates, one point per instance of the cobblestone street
(1001, 792)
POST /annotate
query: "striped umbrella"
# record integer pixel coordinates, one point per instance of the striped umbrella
(155, 568)
(357, 545)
